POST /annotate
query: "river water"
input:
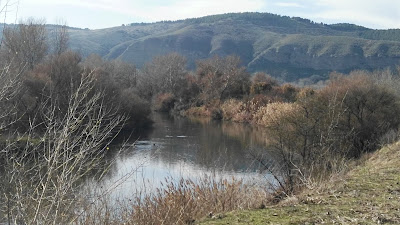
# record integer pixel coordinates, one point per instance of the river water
(192, 148)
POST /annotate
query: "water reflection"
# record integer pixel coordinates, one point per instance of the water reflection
(185, 147)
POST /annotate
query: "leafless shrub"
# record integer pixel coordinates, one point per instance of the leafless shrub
(44, 172)
(164, 74)
(26, 42)
(59, 38)
(220, 78)
(323, 129)
(10, 87)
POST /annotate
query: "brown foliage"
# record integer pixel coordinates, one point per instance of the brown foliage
(243, 110)
(262, 83)
(57, 77)
(222, 78)
(344, 119)
(164, 102)
(186, 201)
(287, 91)
(135, 108)
(60, 75)
(371, 109)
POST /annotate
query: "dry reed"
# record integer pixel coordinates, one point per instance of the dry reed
(182, 202)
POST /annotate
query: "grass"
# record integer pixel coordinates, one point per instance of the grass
(368, 194)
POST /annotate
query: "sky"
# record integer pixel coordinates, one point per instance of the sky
(96, 14)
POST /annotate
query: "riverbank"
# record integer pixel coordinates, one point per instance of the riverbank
(368, 194)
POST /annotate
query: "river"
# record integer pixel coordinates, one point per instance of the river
(180, 147)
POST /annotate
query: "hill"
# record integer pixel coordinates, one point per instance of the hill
(369, 194)
(286, 47)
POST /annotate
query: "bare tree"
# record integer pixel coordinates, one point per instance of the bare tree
(60, 38)
(122, 73)
(222, 77)
(26, 43)
(11, 87)
(165, 74)
(44, 174)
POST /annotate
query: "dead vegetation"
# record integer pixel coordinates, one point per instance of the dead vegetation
(367, 194)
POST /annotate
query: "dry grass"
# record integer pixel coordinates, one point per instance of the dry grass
(258, 110)
(201, 111)
(273, 113)
(181, 202)
(368, 194)
(186, 201)
(254, 111)
(236, 110)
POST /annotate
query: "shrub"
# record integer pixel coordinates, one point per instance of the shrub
(201, 111)
(273, 114)
(262, 84)
(342, 120)
(243, 110)
(222, 78)
(216, 114)
(259, 101)
(304, 93)
(48, 171)
(135, 108)
(164, 102)
(287, 91)
(371, 109)
(231, 108)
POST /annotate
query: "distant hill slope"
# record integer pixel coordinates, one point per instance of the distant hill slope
(289, 47)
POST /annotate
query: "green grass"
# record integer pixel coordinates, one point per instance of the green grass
(369, 194)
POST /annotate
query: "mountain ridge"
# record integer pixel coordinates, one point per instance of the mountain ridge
(287, 47)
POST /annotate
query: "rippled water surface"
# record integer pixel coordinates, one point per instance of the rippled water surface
(179, 147)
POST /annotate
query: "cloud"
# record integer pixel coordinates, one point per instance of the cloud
(155, 10)
(127, 11)
(370, 13)
(358, 17)
(187, 9)
(106, 13)
(289, 4)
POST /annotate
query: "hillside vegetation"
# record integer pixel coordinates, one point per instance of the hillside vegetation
(280, 45)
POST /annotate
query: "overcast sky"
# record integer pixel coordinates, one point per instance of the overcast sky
(94, 14)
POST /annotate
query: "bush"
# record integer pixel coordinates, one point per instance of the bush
(287, 91)
(262, 84)
(342, 120)
(371, 110)
(201, 111)
(135, 108)
(231, 108)
(260, 88)
(243, 110)
(216, 114)
(164, 102)
(272, 115)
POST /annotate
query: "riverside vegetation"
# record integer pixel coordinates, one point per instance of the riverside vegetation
(60, 114)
